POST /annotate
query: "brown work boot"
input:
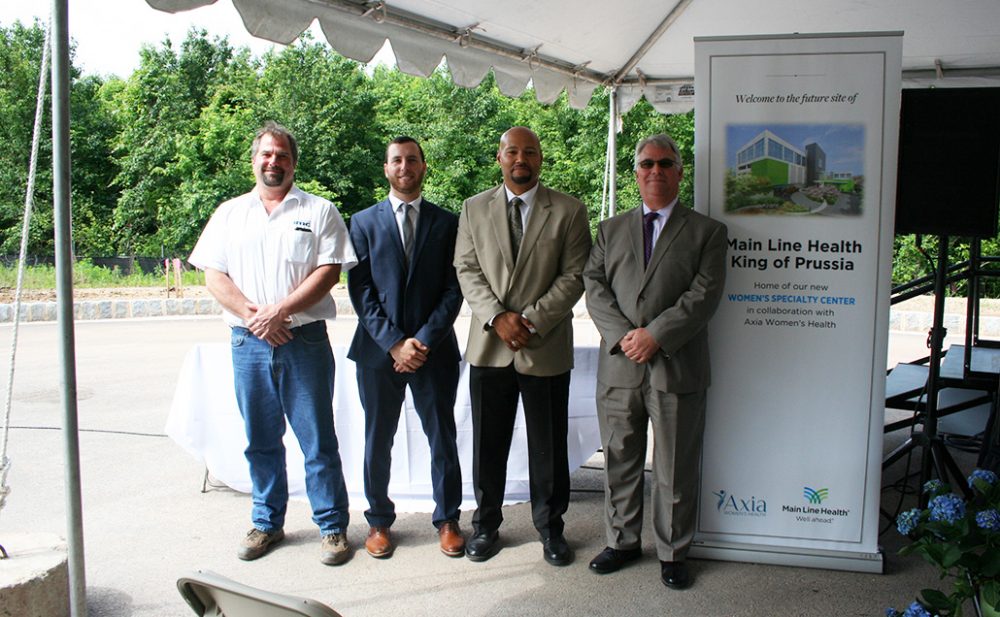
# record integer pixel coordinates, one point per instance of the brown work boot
(257, 543)
(334, 549)
(379, 542)
(452, 542)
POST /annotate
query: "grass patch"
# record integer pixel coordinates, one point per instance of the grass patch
(86, 274)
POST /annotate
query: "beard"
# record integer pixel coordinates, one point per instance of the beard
(406, 185)
(275, 177)
(522, 176)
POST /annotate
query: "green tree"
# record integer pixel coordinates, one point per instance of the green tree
(93, 130)
(325, 101)
(91, 133)
(158, 111)
(20, 62)
(459, 133)
(212, 164)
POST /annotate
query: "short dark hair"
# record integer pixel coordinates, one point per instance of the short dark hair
(404, 139)
(275, 130)
(663, 141)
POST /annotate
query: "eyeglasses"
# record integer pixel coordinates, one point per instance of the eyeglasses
(663, 163)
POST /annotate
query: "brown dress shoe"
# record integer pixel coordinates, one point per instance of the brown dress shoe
(379, 542)
(452, 542)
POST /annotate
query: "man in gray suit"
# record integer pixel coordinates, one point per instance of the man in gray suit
(654, 278)
(519, 256)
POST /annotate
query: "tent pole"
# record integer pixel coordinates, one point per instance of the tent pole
(64, 301)
(612, 152)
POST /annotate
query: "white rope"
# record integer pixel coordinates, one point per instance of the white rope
(28, 203)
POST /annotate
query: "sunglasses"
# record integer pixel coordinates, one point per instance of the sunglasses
(663, 163)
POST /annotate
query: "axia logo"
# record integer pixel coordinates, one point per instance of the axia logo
(740, 506)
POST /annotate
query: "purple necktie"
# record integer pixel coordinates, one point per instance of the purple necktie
(647, 235)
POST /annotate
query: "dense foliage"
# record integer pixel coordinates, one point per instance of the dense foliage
(154, 154)
(962, 540)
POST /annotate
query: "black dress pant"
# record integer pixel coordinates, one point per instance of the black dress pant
(545, 400)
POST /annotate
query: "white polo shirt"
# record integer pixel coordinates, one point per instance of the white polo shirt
(267, 257)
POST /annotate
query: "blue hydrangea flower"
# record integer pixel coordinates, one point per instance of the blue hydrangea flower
(982, 474)
(916, 610)
(907, 522)
(988, 520)
(947, 508)
(933, 487)
(891, 612)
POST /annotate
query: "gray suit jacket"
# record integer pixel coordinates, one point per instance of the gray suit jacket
(543, 285)
(673, 298)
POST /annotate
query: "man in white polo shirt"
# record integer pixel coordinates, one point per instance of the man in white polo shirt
(270, 258)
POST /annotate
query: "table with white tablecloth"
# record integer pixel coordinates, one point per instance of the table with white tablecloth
(205, 421)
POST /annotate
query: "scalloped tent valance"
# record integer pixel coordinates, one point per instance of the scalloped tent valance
(643, 47)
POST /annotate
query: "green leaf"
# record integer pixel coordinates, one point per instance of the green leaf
(990, 592)
(989, 564)
(936, 600)
(943, 555)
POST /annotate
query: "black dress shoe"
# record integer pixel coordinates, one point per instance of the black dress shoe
(675, 574)
(612, 559)
(482, 545)
(556, 551)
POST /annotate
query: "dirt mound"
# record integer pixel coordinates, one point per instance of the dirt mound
(103, 293)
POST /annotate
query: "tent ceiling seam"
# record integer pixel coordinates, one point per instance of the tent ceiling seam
(668, 21)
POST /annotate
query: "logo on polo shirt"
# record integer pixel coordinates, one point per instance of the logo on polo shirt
(302, 226)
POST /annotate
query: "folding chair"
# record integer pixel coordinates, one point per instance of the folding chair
(212, 595)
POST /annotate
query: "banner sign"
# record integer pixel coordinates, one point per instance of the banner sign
(796, 153)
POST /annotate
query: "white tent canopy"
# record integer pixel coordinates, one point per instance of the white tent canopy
(640, 47)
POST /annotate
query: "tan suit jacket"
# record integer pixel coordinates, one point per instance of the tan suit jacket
(673, 297)
(543, 285)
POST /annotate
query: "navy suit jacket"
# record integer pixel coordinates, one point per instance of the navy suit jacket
(394, 302)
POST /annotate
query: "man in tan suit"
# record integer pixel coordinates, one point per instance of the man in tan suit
(519, 256)
(654, 278)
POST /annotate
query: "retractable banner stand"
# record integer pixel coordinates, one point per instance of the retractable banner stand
(796, 153)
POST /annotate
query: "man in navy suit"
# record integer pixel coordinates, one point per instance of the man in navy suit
(407, 297)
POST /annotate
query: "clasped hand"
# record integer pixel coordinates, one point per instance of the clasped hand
(408, 355)
(513, 329)
(269, 323)
(639, 345)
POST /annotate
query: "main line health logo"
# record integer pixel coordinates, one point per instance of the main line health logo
(815, 496)
(815, 512)
(731, 505)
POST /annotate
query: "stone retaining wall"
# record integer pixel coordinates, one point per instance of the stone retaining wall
(87, 310)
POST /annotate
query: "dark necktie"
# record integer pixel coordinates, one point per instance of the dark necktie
(407, 232)
(516, 226)
(647, 236)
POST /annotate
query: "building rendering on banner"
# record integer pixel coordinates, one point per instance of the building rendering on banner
(769, 156)
(815, 163)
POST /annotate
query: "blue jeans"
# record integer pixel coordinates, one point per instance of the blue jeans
(294, 380)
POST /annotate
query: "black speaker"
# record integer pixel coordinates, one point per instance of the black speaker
(948, 180)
